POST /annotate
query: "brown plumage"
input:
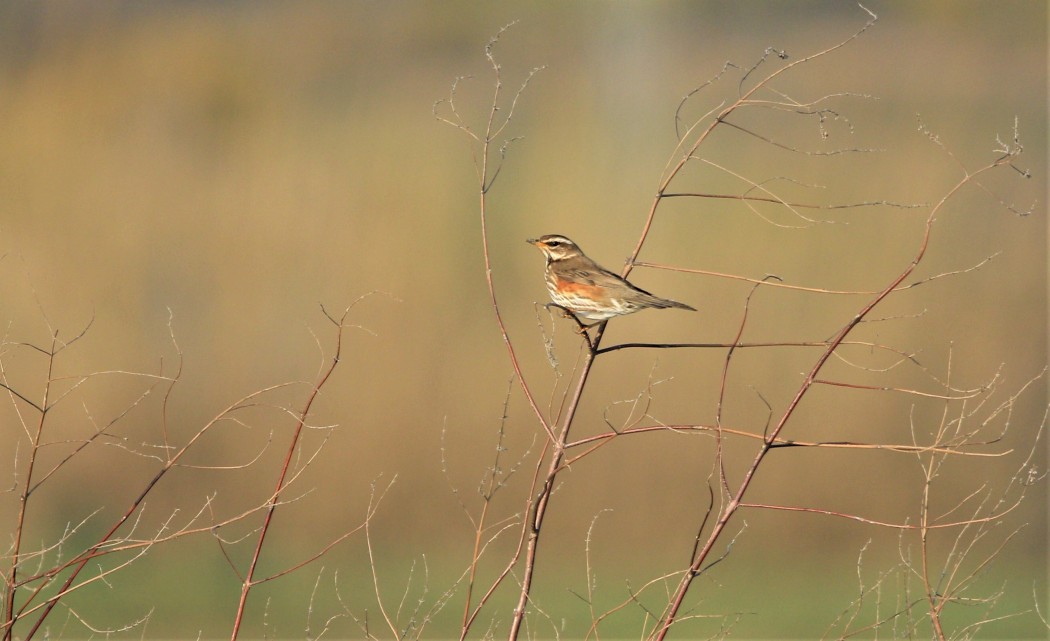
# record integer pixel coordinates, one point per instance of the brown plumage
(585, 288)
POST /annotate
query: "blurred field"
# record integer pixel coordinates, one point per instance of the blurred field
(235, 165)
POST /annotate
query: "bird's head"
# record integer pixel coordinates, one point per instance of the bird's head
(556, 247)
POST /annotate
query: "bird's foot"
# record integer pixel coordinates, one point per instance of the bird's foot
(581, 327)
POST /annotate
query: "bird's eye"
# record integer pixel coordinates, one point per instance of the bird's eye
(553, 243)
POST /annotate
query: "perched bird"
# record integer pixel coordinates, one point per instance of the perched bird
(582, 286)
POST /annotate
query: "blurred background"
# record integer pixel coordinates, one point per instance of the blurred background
(217, 171)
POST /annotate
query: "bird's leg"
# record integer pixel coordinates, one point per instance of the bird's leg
(568, 314)
(581, 327)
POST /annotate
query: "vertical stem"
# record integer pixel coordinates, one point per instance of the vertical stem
(23, 501)
(248, 583)
(924, 531)
(474, 558)
(539, 509)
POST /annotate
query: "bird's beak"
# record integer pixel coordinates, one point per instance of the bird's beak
(532, 241)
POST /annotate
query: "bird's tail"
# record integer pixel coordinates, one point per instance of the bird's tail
(664, 303)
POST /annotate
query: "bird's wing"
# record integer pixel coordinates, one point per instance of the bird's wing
(591, 273)
(616, 281)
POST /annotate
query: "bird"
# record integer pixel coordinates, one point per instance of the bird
(578, 284)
